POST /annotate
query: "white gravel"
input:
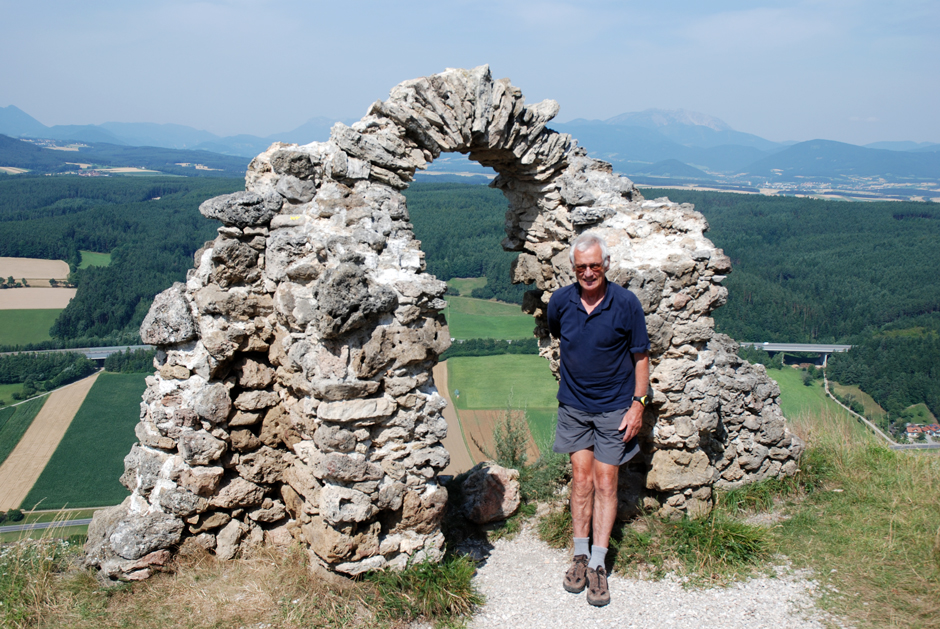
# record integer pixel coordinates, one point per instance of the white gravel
(522, 578)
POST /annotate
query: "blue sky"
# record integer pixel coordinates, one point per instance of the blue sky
(854, 71)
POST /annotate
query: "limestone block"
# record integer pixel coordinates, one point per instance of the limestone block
(169, 320)
(242, 208)
(212, 403)
(350, 542)
(678, 469)
(352, 467)
(343, 504)
(235, 263)
(137, 535)
(264, 465)
(198, 447)
(254, 400)
(363, 410)
(347, 299)
(422, 511)
(237, 492)
(229, 539)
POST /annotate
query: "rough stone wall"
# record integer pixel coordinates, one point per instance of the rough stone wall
(293, 398)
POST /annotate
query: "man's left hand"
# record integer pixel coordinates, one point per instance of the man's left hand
(632, 421)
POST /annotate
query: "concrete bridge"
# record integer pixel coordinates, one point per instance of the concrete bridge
(823, 349)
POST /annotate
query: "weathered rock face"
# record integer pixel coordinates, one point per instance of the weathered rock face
(292, 397)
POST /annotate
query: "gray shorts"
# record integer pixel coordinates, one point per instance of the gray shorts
(578, 430)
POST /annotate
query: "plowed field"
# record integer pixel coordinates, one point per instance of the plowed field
(33, 268)
(35, 298)
(24, 465)
(478, 426)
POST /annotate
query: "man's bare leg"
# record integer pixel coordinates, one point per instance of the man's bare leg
(605, 501)
(582, 492)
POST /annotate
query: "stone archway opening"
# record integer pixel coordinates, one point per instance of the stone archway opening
(293, 401)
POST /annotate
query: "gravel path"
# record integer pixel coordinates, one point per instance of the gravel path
(521, 580)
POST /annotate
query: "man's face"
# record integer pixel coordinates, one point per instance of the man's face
(589, 279)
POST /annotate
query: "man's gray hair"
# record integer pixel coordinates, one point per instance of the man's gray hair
(586, 241)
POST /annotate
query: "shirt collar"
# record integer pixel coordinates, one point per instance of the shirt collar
(605, 302)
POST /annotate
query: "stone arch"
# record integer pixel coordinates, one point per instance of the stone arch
(293, 400)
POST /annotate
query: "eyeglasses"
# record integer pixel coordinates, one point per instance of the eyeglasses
(595, 268)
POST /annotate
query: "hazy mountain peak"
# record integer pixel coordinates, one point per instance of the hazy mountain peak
(656, 118)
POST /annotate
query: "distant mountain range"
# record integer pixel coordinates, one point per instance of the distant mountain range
(675, 144)
(647, 142)
(15, 122)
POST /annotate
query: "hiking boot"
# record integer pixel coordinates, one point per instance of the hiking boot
(598, 595)
(575, 578)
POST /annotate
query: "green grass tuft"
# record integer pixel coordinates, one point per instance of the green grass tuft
(557, 529)
(440, 592)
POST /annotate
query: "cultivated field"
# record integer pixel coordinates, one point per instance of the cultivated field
(33, 268)
(24, 465)
(86, 465)
(35, 298)
(470, 318)
(10, 170)
(490, 382)
(14, 421)
(478, 426)
(460, 460)
(20, 327)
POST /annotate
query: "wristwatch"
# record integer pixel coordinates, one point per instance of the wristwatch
(642, 400)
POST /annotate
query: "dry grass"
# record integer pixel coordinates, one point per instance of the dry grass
(872, 529)
(269, 589)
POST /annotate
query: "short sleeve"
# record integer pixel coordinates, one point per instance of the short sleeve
(554, 319)
(640, 340)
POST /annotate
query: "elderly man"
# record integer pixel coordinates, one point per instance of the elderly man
(601, 397)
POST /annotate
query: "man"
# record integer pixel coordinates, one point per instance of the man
(602, 394)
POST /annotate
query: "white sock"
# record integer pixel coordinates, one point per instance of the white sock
(598, 555)
(582, 546)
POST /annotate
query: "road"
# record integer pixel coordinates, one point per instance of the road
(92, 353)
(894, 445)
(39, 526)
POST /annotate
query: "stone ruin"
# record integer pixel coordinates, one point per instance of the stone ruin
(293, 399)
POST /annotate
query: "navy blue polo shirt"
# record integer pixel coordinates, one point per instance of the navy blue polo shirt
(597, 373)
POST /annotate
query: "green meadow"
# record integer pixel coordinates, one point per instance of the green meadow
(19, 327)
(465, 285)
(470, 318)
(84, 470)
(6, 393)
(872, 409)
(90, 258)
(491, 382)
(14, 421)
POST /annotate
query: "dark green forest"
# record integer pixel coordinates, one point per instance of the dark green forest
(898, 366)
(460, 227)
(804, 270)
(151, 227)
(43, 372)
(808, 270)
